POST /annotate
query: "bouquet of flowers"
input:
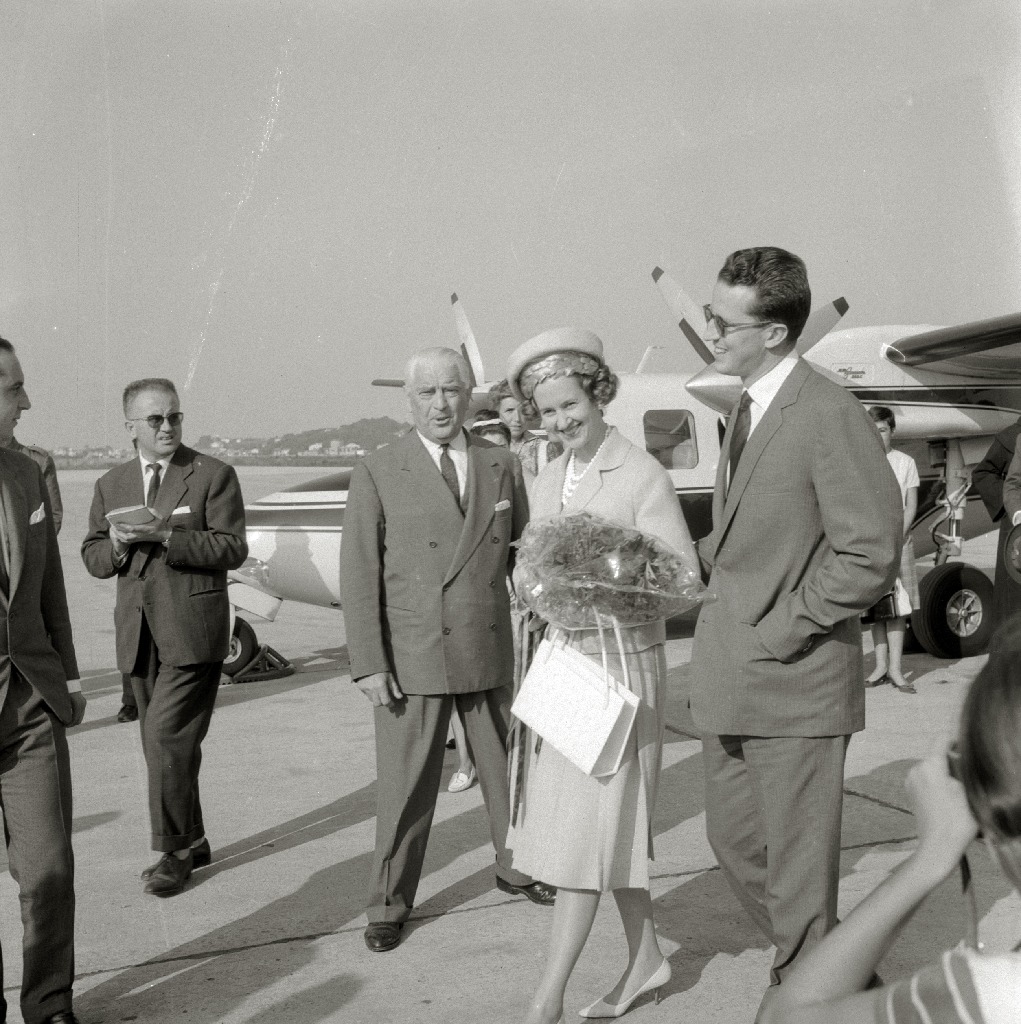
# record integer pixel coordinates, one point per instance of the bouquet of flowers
(574, 570)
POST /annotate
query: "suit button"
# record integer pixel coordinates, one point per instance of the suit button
(492, 626)
(492, 583)
(432, 543)
(446, 631)
(496, 540)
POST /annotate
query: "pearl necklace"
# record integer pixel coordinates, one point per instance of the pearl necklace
(573, 478)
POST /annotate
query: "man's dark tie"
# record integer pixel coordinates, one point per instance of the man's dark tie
(449, 473)
(742, 428)
(154, 484)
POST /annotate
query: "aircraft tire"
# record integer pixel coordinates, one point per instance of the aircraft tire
(956, 615)
(244, 645)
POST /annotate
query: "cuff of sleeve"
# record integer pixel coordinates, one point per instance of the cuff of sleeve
(74, 686)
(1016, 519)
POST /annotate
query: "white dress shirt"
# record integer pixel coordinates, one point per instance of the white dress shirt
(458, 448)
(765, 389)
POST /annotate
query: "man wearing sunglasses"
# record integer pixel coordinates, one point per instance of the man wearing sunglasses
(172, 615)
(806, 535)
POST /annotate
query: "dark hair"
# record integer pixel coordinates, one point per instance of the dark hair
(601, 386)
(485, 414)
(990, 737)
(5, 345)
(499, 392)
(136, 387)
(780, 281)
(881, 414)
(481, 429)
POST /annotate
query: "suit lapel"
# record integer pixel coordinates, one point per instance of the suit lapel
(760, 437)
(7, 512)
(611, 457)
(427, 483)
(17, 513)
(484, 472)
(174, 484)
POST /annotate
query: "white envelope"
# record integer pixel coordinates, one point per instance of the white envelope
(38, 515)
(501, 505)
(181, 510)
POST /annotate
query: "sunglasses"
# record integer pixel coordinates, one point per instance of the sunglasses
(156, 421)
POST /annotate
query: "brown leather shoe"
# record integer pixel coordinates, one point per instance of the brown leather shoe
(538, 892)
(383, 935)
(170, 875)
(201, 856)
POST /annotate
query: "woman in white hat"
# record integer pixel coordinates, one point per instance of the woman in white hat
(582, 834)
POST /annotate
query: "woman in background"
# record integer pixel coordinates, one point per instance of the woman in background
(589, 835)
(888, 633)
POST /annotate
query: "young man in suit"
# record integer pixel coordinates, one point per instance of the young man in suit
(40, 696)
(172, 614)
(423, 577)
(806, 535)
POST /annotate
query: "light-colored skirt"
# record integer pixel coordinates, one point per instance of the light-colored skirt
(579, 832)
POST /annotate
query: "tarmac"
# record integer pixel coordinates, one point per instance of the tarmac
(272, 929)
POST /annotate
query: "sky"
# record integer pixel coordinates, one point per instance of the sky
(271, 202)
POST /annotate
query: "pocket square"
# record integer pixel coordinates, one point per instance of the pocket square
(181, 510)
(38, 515)
(501, 505)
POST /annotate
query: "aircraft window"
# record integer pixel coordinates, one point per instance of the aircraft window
(670, 436)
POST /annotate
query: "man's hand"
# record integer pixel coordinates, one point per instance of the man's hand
(381, 688)
(78, 703)
(123, 536)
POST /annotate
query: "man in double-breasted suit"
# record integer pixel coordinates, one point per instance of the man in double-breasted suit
(423, 574)
(172, 615)
(806, 535)
(40, 695)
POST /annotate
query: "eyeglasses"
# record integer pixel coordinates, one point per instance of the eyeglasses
(721, 325)
(156, 420)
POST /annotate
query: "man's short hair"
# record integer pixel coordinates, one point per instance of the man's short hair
(136, 387)
(426, 355)
(780, 281)
(5, 345)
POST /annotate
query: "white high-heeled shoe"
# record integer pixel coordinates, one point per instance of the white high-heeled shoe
(601, 1008)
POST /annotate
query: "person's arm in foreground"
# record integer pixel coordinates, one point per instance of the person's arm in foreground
(827, 986)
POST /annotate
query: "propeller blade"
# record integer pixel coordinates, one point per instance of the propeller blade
(686, 312)
(387, 382)
(469, 348)
(819, 323)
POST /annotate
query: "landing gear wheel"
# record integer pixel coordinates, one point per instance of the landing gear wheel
(956, 617)
(244, 646)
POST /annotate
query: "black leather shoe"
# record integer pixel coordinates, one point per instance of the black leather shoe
(538, 892)
(881, 681)
(170, 875)
(201, 856)
(62, 1017)
(383, 935)
(127, 713)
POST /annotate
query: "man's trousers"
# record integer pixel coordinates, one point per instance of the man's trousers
(175, 706)
(410, 743)
(35, 793)
(773, 811)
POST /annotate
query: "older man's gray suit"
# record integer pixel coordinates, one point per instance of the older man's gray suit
(424, 591)
(36, 659)
(805, 537)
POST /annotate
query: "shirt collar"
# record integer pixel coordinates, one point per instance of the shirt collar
(765, 389)
(165, 463)
(456, 444)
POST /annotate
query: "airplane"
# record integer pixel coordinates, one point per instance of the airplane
(950, 388)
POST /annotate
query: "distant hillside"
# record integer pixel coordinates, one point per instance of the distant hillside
(365, 433)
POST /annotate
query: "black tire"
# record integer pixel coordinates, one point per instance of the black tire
(956, 617)
(244, 645)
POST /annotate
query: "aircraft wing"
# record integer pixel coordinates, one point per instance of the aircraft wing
(984, 348)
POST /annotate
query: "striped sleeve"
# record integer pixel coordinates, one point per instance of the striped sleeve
(963, 987)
